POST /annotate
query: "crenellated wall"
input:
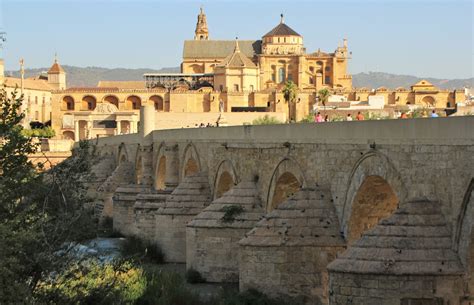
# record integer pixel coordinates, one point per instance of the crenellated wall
(366, 170)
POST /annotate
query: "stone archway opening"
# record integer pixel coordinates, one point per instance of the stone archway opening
(88, 103)
(286, 185)
(191, 167)
(428, 101)
(112, 100)
(133, 102)
(139, 171)
(68, 135)
(160, 174)
(374, 201)
(67, 103)
(157, 102)
(122, 159)
(226, 182)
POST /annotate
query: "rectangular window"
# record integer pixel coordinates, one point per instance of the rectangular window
(236, 87)
(221, 88)
(36, 100)
(104, 124)
(273, 77)
(327, 79)
(251, 88)
(36, 115)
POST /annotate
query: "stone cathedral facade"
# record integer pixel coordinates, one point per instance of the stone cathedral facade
(254, 65)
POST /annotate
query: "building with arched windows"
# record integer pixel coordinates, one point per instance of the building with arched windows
(221, 82)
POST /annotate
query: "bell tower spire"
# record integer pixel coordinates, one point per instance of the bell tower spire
(201, 33)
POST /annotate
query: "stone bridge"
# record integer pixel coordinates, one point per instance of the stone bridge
(370, 212)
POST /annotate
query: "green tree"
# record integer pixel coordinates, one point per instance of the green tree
(289, 94)
(323, 95)
(266, 120)
(38, 213)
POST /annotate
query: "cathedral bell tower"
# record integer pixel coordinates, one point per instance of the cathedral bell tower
(201, 33)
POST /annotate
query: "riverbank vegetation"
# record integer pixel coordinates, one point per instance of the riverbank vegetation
(44, 218)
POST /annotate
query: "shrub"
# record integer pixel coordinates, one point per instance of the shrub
(135, 247)
(307, 119)
(194, 277)
(266, 120)
(90, 282)
(167, 288)
(230, 212)
(45, 132)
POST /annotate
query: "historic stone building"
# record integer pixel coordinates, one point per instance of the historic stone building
(222, 82)
(37, 91)
(278, 57)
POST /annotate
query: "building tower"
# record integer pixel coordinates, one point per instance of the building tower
(57, 76)
(201, 33)
(2, 64)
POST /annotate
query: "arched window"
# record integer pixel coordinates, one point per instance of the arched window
(88, 102)
(157, 102)
(68, 103)
(281, 75)
(133, 102)
(112, 100)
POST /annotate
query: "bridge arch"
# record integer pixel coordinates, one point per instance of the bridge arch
(374, 190)
(287, 178)
(160, 168)
(464, 238)
(139, 166)
(191, 161)
(122, 154)
(225, 178)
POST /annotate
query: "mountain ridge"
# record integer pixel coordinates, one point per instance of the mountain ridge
(90, 76)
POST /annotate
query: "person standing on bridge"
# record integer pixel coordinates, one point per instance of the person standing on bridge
(319, 118)
(434, 114)
(349, 117)
(359, 117)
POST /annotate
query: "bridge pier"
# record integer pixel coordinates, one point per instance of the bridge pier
(212, 240)
(405, 258)
(287, 252)
(187, 200)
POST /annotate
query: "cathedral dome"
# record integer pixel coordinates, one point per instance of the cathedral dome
(282, 30)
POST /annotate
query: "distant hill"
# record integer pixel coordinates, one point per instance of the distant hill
(392, 81)
(90, 76)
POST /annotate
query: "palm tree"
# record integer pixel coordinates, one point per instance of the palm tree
(323, 95)
(289, 93)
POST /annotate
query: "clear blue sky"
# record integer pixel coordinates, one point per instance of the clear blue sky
(417, 37)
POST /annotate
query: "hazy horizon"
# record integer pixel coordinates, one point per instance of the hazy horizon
(418, 38)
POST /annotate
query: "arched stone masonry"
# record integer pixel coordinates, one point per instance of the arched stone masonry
(287, 179)
(374, 201)
(226, 178)
(191, 161)
(404, 259)
(464, 240)
(372, 164)
(212, 236)
(288, 250)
